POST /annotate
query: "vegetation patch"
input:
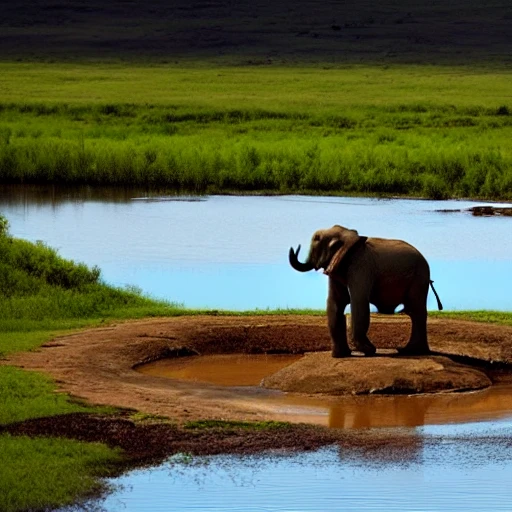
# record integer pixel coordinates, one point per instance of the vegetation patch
(42, 294)
(489, 317)
(245, 130)
(235, 425)
(39, 473)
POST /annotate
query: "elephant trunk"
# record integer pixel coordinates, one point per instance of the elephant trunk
(296, 264)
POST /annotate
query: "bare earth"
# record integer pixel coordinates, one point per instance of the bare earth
(99, 365)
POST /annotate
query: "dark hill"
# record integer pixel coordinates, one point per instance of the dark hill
(259, 31)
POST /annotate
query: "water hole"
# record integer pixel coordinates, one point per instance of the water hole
(244, 372)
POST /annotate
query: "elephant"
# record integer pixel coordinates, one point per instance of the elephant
(364, 271)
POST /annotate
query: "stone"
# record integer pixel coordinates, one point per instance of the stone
(319, 372)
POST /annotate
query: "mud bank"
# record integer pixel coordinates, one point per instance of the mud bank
(100, 365)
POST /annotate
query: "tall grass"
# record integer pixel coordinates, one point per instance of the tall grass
(425, 156)
(284, 130)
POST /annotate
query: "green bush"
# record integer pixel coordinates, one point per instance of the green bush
(39, 263)
(36, 284)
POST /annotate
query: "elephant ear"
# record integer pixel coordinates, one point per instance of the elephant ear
(343, 244)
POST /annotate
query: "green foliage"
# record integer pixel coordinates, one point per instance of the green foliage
(26, 395)
(337, 131)
(25, 266)
(4, 226)
(235, 425)
(37, 285)
(42, 473)
(492, 317)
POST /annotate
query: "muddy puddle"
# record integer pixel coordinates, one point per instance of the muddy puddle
(244, 372)
(220, 369)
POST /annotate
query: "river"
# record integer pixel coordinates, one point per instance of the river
(231, 252)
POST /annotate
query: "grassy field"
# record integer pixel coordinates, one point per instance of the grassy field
(399, 98)
(430, 131)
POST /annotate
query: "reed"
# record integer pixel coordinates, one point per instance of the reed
(286, 130)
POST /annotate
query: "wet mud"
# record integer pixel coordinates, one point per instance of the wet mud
(103, 366)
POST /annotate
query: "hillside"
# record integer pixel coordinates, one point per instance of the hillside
(259, 31)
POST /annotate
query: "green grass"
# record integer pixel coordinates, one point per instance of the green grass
(41, 290)
(234, 425)
(424, 131)
(489, 317)
(25, 395)
(39, 473)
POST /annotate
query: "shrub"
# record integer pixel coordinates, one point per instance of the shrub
(434, 187)
(4, 226)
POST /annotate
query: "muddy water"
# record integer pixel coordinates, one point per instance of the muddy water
(223, 370)
(244, 370)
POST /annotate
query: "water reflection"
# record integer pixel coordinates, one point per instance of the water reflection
(416, 411)
(438, 473)
(231, 252)
(354, 412)
(54, 196)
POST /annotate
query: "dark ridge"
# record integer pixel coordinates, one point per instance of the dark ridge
(259, 32)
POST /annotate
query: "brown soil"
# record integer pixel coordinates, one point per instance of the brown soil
(388, 374)
(99, 365)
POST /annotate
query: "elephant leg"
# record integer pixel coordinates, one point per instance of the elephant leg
(337, 301)
(418, 343)
(360, 318)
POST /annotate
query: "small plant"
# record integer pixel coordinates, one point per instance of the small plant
(434, 187)
(4, 226)
(503, 110)
(5, 135)
(235, 425)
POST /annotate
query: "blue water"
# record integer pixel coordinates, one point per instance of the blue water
(231, 252)
(455, 468)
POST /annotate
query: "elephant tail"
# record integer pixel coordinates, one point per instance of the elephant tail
(439, 305)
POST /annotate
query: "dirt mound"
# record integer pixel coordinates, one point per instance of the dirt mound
(320, 373)
(100, 364)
